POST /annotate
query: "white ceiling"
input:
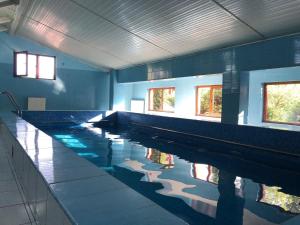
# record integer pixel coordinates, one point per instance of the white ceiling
(120, 33)
(7, 14)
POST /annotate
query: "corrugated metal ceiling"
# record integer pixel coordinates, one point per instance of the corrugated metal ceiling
(121, 33)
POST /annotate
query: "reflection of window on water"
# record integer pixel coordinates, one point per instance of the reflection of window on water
(70, 141)
(167, 160)
(211, 174)
(273, 196)
(205, 172)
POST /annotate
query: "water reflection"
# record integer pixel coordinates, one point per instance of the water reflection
(230, 207)
(167, 160)
(273, 196)
(198, 192)
(205, 172)
(211, 174)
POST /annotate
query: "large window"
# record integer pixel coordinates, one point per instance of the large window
(209, 101)
(162, 99)
(282, 103)
(34, 66)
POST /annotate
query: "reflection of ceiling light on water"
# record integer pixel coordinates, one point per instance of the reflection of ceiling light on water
(59, 136)
(95, 119)
(95, 130)
(118, 141)
(88, 154)
(70, 141)
(111, 136)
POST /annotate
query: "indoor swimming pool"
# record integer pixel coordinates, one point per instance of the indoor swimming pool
(197, 185)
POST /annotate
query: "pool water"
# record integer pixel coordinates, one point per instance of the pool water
(199, 187)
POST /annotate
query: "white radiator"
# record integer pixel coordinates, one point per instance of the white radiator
(36, 104)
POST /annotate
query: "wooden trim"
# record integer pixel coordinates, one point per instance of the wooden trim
(283, 82)
(212, 88)
(265, 103)
(37, 67)
(287, 123)
(149, 97)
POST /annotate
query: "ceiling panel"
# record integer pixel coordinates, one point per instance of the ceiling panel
(122, 33)
(79, 24)
(270, 17)
(56, 40)
(179, 26)
(7, 15)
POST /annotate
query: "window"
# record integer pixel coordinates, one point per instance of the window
(209, 101)
(162, 99)
(282, 103)
(34, 66)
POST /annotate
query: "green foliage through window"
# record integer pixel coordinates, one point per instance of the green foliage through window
(282, 103)
(209, 101)
(162, 99)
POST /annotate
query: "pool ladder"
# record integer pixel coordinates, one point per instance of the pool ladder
(13, 101)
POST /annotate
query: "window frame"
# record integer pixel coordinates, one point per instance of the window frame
(163, 88)
(265, 102)
(37, 66)
(212, 87)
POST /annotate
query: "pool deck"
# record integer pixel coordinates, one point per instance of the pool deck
(62, 188)
(13, 210)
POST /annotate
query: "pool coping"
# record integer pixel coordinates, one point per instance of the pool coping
(56, 187)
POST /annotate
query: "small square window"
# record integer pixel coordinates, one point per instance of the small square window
(282, 103)
(34, 66)
(162, 99)
(209, 101)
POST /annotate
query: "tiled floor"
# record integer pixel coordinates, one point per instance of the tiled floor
(13, 210)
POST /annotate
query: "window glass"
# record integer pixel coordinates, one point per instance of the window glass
(162, 99)
(21, 64)
(168, 99)
(282, 103)
(217, 101)
(204, 94)
(46, 67)
(209, 101)
(32, 66)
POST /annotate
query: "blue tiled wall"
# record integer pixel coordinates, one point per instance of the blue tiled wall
(283, 141)
(274, 53)
(40, 117)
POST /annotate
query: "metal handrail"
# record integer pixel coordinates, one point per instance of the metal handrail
(13, 101)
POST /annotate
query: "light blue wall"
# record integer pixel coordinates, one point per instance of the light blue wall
(78, 86)
(185, 92)
(256, 80)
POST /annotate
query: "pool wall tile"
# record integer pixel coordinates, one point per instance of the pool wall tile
(61, 116)
(280, 140)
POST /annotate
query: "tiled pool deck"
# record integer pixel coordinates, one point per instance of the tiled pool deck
(13, 210)
(62, 188)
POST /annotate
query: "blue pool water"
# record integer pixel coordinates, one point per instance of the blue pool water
(199, 186)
